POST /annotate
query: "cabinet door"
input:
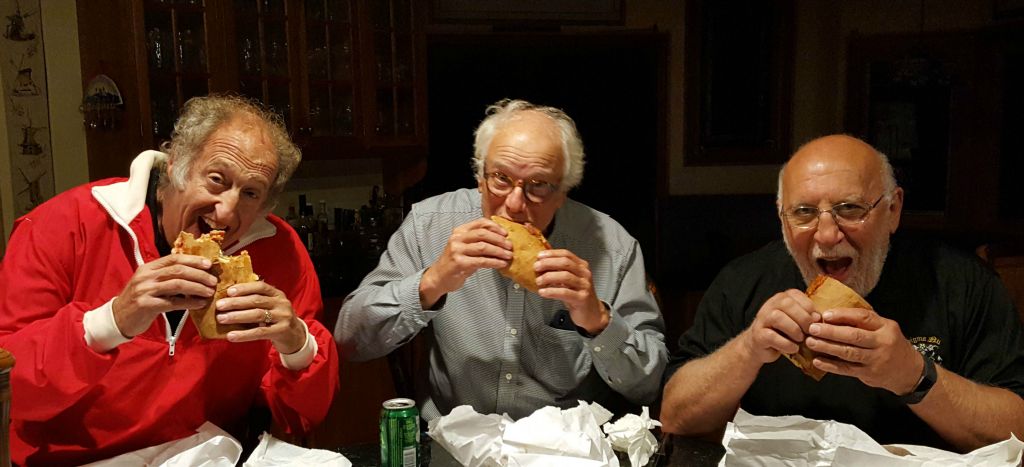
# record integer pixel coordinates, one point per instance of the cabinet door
(329, 67)
(265, 48)
(392, 51)
(177, 60)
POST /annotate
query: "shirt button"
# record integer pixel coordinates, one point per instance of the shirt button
(508, 376)
(513, 331)
(515, 286)
(597, 348)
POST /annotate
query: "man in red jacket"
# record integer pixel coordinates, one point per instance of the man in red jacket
(91, 299)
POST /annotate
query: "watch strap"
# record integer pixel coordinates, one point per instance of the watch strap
(923, 385)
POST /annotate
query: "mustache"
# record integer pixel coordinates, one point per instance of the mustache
(836, 251)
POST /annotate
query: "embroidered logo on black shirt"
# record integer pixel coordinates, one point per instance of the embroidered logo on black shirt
(928, 346)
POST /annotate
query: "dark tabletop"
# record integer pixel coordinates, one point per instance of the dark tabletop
(674, 451)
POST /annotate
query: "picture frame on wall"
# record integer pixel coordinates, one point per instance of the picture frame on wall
(738, 82)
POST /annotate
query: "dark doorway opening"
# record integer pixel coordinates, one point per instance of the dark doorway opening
(612, 86)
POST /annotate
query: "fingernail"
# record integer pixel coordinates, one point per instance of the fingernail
(222, 319)
(232, 291)
(827, 315)
(221, 304)
(232, 336)
(542, 254)
(815, 328)
(206, 263)
(815, 317)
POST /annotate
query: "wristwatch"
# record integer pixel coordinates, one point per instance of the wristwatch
(923, 385)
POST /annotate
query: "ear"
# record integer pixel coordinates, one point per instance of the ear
(895, 210)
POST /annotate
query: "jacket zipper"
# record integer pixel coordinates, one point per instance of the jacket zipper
(172, 336)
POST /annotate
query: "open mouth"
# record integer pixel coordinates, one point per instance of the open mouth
(207, 225)
(835, 267)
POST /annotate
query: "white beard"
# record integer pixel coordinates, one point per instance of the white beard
(865, 270)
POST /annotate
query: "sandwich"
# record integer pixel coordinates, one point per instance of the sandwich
(527, 241)
(230, 270)
(826, 293)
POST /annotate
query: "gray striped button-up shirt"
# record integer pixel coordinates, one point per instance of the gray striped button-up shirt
(497, 346)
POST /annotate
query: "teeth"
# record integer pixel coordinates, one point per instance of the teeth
(213, 224)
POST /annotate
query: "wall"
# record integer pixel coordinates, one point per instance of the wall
(63, 81)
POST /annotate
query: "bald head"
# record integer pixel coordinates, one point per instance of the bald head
(838, 153)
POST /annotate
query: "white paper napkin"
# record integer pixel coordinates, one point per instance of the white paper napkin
(549, 436)
(209, 447)
(632, 434)
(798, 441)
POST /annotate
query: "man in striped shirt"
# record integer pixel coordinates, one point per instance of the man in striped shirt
(593, 330)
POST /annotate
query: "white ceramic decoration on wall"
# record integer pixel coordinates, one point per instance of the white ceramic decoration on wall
(23, 73)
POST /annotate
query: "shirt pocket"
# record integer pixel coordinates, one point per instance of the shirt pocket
(556, 358)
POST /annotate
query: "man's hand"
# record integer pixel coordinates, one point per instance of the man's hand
(255, 302)
(472, 246)
(561, 275)
(174, 282)
(860, 343)
(780, 325)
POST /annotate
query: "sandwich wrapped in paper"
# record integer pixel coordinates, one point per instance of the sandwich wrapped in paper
(230, 270)
(826, 293)
(527, 241)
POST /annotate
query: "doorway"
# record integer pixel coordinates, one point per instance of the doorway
(612, 86)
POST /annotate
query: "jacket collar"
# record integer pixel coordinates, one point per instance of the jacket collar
(123, 201)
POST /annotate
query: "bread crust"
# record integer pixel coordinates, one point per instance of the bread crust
(527, 241)
(230, 270)
(826, 293)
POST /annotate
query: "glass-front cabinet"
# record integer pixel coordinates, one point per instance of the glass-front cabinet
(391, 97)
(262, 49)
(330, 68)
(344, 74)
(176, 55)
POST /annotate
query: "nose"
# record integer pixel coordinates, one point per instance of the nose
(516, 199)
(227, 204)
(828, 232)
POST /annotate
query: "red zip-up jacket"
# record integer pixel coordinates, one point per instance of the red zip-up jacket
(72, 403)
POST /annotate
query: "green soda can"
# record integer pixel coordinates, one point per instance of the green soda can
(399, 433)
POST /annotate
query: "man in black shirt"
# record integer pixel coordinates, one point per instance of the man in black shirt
(939, 361)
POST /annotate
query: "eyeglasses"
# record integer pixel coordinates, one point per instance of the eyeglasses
(535, 190)
(848, 214)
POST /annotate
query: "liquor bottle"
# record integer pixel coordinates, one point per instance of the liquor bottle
(321, 237)
(322, 224)
(306, 226)
(292, 218)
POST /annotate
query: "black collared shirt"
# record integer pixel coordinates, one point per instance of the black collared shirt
(164, 248)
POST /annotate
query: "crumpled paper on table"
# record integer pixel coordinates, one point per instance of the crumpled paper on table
(211, 446)
(798, 441)
(272, 452)
(632, 434)
(549, 436)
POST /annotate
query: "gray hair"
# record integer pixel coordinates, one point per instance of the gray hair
(505, 110)
(201, 116)
(887, 174)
